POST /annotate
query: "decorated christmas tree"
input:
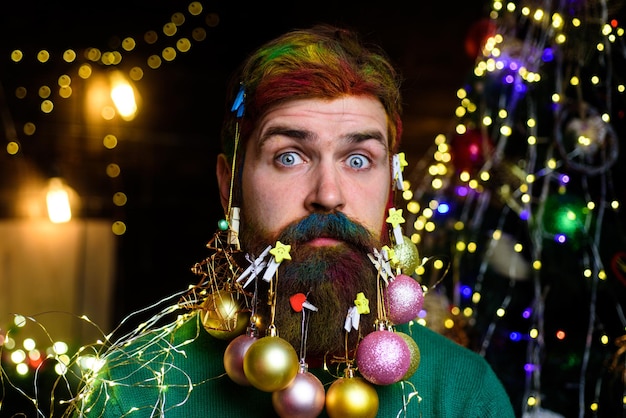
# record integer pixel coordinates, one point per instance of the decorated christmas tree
(520, 206)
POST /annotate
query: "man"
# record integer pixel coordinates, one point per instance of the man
(308, 159)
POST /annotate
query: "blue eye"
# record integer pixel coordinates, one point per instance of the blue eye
(289, 159)
(358, 161)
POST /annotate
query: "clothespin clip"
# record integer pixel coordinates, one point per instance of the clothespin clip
(352, 319)
(398, 162)
(389, 255)
(395, 219)
(256, 265)
(279, 253)
(361, 307)
(233, 230)
(238, 105)
(380, 259)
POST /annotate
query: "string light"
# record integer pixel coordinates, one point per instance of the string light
(541, 185)
(85, 65)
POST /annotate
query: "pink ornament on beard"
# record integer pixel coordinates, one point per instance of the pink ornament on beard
(404, 299)
(383, 357)
(303, 398)
(233, 358)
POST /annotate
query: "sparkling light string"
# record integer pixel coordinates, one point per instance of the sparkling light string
(77, 371)
(531, 42)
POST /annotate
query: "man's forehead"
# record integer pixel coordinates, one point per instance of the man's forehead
(343, 105)
(355, 117)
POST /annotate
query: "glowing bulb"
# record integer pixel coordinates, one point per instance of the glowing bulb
(58, 201)
(123, 96)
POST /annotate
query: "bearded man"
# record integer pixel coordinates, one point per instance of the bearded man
(312, 125)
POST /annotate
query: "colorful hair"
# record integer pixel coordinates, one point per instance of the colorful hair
(323, 62)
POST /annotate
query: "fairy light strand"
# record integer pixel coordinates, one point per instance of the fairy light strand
(528, 52)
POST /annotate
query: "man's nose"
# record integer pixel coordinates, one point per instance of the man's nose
(326, 190)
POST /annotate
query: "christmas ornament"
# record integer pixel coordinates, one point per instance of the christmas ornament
(586, 140)
(404, 298)
(587, 135)
(468, 150)
(618, 266)
(303, 398)
(565, 216)
(234, 354)
(383, 357)
(351, 397)
(477, 35)
(415, 354)
(504, 260)
(223, 316)
(406, 256)
(270, 363)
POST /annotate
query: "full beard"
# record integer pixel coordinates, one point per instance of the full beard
(330, 277)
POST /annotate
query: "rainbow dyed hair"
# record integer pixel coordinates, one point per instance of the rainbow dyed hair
(323, 62)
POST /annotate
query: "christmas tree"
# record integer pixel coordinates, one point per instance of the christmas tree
(519, 204)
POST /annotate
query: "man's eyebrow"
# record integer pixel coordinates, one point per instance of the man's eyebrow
(303, 134)
(366, 135)
(287, 131)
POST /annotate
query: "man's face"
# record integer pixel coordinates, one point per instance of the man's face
(317, 156)
(316, 175)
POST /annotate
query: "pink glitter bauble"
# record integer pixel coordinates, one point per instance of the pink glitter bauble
(383, 357)
(233, 358)
(303, 398)
(404, 299)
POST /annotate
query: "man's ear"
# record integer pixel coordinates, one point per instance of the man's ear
(223, 172)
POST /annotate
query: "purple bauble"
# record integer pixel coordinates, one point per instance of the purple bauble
(383, 357)
(303, 398)
(233, 358)
(404, 299)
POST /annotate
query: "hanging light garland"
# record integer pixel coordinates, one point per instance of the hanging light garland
(108, 98)
(503, 166)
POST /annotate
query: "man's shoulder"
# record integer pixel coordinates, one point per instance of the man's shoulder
(434, 345)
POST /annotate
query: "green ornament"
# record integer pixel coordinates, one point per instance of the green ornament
(222, 224)
(415, 354)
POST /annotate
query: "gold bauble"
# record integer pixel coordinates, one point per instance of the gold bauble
(270, 364)
(223, 316)
(351, 397)
(415, 354)
(407, 256)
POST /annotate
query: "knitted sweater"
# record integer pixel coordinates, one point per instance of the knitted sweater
(179, 372)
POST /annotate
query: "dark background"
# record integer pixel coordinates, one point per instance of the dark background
(167, 154)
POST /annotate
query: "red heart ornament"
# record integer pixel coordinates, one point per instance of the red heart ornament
(297, 301)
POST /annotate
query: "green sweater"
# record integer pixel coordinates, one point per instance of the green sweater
(187, 364)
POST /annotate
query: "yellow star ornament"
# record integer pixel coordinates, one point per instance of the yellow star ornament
(281, 252)
(402, 160)
(395, 217)
(362, 304)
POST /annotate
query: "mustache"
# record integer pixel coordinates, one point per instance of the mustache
(328, 225)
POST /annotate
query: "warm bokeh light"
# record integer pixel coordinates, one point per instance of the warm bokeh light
(58, 201)
(123, 96)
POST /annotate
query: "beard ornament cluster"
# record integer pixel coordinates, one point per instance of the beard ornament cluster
(384, 356)
(270, 363)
